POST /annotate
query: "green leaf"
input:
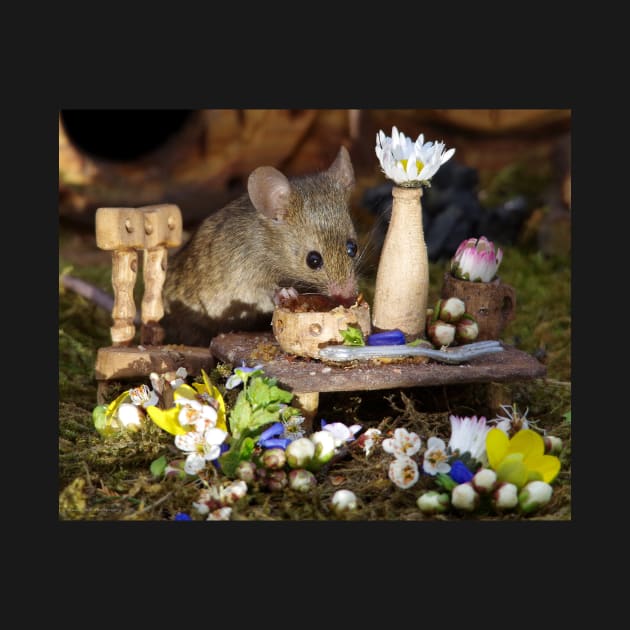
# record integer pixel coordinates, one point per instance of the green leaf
(230, 460)
(158, 466)
(240, 415)
(278, 394)
(247, 448)
(258, 393)
(352, 336)
(240, 449)
(102, 422)
(260, 417)
(567, 416)
(99, 417)
(445, 481)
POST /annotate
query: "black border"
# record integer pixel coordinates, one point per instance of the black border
(386, 68)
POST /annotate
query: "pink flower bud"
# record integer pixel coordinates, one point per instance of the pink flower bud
(476, 260)
(433, 502)
(246, 471)
(276, 480)
(505, 497)
(464, 497)
(553, 445)
(274, 458)
(534, 495)
(302, 480)
(452, 309)
(466, 329)
(344, 501)
(441, 333)
(484, 480)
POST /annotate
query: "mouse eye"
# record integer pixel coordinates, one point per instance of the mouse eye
(314, 260)
(351, 247)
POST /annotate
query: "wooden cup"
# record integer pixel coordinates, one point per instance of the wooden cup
(492, 304)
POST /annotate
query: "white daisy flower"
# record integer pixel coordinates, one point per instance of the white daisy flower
(469, 435)
(409, 163)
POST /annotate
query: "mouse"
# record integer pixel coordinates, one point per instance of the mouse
(285, 235)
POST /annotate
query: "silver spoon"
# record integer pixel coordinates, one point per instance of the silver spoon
(455, 355)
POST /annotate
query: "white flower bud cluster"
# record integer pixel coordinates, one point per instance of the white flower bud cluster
(449, 323)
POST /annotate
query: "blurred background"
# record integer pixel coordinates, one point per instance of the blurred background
(510, 178)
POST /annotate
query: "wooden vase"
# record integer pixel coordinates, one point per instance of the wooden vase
(402, 280)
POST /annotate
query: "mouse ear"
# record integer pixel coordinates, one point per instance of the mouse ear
(269, 191)
(341, 169)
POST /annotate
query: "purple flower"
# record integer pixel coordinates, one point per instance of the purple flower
(268, 437)
(459, 472)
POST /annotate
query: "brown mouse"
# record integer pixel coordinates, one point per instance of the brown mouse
(284, 232)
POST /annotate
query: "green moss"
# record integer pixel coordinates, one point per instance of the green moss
(111, 480)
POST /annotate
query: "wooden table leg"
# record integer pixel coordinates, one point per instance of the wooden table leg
(307, 403)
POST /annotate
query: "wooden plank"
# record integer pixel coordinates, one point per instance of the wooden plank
(125, 363)
(311, 375)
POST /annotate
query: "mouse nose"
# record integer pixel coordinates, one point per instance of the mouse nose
(345, 292)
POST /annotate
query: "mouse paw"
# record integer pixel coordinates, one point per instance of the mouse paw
(283, 295)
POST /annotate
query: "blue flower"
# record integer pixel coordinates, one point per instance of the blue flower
(275, 443)
(459, 472)
(182, 516)
(241, 375)
(268, 438)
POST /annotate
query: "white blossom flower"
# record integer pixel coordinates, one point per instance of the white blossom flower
(403, 443)
(196, 414)
(129, 415)
(201, 447)
(221, 514)
(469, 435)
(143, 396)
(344, 501)
(369, 439)
(435, 457)
(409, 163)
(403, 471)
(341, 432)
